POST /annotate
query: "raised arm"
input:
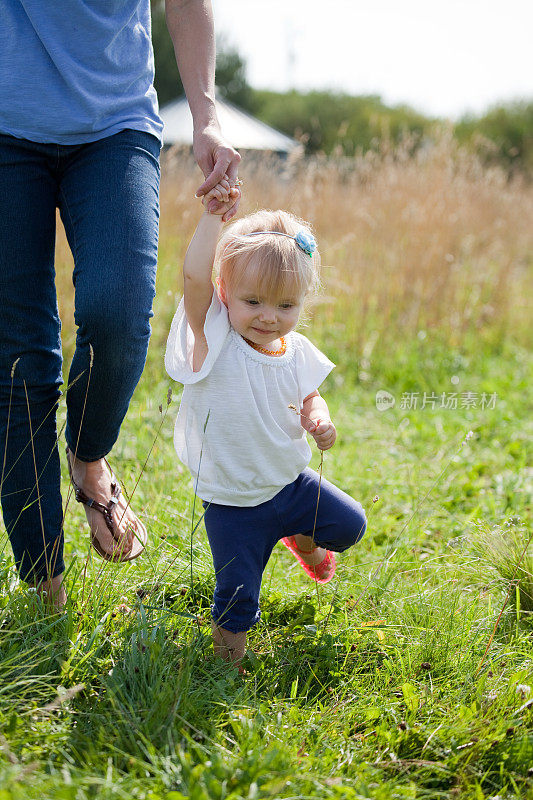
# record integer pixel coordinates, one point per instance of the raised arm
(197, 272)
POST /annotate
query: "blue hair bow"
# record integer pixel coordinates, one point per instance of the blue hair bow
(306, 242)
(304, 239)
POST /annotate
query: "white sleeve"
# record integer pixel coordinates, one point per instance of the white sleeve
(312, 366)
(180, 342)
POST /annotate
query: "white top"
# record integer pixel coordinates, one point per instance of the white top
(234, 413)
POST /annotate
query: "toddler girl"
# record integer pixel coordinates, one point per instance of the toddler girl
(244, 371)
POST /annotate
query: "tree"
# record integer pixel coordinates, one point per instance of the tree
(167, 79)
(509, 128)
(326, 121)
(230, 76)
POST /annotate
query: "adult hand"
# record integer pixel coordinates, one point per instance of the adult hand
(216, 158)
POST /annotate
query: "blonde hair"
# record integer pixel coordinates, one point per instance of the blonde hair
(278, 265)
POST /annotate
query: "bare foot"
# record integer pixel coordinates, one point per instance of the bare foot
(94, 478)
(312, 557)
(229, 646)
(52, 592)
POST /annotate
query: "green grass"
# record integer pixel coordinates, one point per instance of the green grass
(369, 688)
(379, 684)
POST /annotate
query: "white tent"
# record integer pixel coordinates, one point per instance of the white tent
(241, 129)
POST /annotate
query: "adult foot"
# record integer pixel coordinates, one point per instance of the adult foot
(95, 480)
(52, 592)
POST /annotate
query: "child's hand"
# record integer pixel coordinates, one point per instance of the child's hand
(323, 432)
(221, 207)
(222, 198)
(219, 192)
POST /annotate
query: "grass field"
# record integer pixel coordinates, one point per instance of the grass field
(403, 677)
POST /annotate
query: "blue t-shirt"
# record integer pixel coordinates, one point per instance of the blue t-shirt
(74, 71)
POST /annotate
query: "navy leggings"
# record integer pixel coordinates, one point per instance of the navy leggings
(108, 195)
(243, 537)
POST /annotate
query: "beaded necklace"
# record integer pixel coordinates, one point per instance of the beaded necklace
(261, 349)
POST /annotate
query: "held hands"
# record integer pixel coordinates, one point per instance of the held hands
(222, 198)
(218, 161)
(323, 431)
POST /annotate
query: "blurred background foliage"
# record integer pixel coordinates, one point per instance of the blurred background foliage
(340, 124)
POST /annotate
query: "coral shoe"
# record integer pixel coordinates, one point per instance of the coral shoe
(321, 573)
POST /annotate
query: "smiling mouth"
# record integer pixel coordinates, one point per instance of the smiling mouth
(258, 330)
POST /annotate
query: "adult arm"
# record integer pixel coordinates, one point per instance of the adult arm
(190, 24)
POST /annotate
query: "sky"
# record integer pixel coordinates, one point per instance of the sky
(442, 58)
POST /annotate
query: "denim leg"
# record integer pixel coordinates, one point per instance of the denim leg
(340, 520)
(241, 541)
(29, 333)
(109, 204)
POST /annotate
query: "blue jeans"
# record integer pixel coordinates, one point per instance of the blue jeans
(107, 193)
(242, 538)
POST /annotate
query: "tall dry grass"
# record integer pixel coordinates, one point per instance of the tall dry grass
(431, 242)
(388, 670)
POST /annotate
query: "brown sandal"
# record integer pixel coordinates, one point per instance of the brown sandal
(106, 511)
